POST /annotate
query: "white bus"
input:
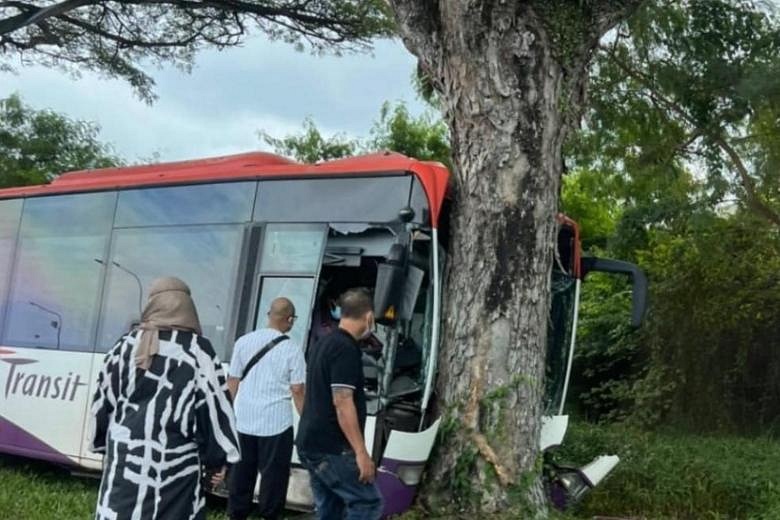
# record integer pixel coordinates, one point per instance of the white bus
(77, 254)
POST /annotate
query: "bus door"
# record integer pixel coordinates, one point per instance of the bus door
(284, 260)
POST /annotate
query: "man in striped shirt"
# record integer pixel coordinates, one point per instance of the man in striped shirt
(264, 418)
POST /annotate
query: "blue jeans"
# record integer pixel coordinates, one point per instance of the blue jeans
(338, 494)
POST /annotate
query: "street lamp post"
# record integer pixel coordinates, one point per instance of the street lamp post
(137, 281)
(140, 287)
(58, 322)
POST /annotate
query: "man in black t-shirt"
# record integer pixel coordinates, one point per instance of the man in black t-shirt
(330, 434)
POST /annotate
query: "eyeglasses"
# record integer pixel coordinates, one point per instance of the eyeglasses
(293, 317)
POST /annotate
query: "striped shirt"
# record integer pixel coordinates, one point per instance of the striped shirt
(262, 404)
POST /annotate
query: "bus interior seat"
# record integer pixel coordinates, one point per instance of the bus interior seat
(402, 386)
(408, 358)
(370, 370)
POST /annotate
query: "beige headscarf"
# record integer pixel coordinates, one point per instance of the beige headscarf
(170, 306)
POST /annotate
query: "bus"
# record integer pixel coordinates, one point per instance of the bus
(77, 254)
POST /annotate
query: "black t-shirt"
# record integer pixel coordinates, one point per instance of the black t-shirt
(335, 360)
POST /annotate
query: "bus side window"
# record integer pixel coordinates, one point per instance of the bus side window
(56, 282)
(299, 290)
(10, 213)
(205, 257)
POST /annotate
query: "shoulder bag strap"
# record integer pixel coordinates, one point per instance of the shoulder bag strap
(263, 351)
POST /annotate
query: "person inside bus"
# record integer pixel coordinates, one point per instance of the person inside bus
(161, 413)
(326, 315)
(330, 434)
(267, 369)
(325, 320)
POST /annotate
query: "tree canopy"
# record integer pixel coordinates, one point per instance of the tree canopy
(676, 168)
(117, 38)
(37, 145)
(690, 86)
(423, 137)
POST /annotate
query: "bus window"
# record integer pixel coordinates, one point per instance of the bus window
(299, 290)
(205, 257)
(10, 211)
(376, 199)
(292, 248)
(289, 264)
(419, 203)
(180, 205)
(54, 293)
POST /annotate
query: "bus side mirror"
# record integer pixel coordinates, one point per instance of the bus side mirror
(389, 289)
(638, 280)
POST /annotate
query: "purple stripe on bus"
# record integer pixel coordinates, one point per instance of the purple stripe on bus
(398, 496)
(16, 441)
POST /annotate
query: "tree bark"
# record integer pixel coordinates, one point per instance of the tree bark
(511, 77)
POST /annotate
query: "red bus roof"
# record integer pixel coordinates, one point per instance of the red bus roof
(433, 176)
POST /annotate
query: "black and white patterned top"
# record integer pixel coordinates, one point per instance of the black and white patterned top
(158, 428)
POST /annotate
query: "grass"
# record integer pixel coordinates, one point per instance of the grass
(31, 490)
(679, 477)
(668, 476)
(34, 491)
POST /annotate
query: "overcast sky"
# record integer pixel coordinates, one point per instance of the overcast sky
(218, 108)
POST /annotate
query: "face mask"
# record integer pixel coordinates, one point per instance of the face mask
(335, 313)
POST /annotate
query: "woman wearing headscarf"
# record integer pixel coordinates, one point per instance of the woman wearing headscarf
(161, 413)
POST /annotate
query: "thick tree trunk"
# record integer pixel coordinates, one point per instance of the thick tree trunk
(509, 91)
(507, 130)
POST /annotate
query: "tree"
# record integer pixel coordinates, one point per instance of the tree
(511, 78)
(691, 86)
(423, 137)
(706, 358)
(113, 37)
(682, 128)
(38, 145)
(311, 146)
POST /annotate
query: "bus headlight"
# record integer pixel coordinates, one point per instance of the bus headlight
(410, 474)
(575, 485)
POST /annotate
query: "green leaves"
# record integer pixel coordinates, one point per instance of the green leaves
(677, 168)
(38, 145)
(310, 146)
(686, 86)
(423, 137)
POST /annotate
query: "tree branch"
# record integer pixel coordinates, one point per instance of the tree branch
(114, 36)
(609, 13)
(94, 29)
(419, 23)
(33, 15)
(754, 200)
(316, 21)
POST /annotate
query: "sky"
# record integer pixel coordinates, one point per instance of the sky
(218, 108)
